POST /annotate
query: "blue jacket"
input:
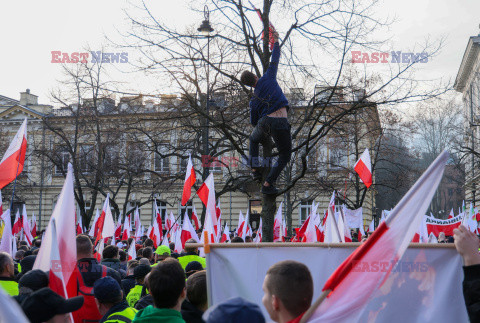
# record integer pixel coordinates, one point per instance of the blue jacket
(267, 97)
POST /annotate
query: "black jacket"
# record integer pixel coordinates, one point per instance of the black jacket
(144, 302)
(91, 271)
(116, 308)
(471, 291)
(190, 313)
(127, 284)
(116, 265)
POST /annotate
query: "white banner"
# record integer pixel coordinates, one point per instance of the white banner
(425, 286)
(354, 217)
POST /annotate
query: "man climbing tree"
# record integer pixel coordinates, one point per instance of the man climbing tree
(268, 114)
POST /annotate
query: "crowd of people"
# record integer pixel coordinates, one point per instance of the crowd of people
(163, 286)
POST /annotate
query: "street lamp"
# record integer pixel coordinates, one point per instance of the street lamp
(205, 29)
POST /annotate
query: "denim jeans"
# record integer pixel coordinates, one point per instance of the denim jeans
(278, 129)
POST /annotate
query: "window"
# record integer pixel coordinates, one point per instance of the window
(85, 155)
(62, 160)
(162, 208)
(111, 158)
(161, 164)
(336, 156)
(312, 159)
(305, 208)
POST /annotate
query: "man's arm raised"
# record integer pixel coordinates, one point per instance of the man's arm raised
(273, 67)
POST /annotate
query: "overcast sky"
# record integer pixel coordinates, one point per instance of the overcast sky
(30, 30)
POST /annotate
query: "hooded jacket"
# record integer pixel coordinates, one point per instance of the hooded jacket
(160, 315)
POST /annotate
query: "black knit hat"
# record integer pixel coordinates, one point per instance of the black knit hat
(34, 279)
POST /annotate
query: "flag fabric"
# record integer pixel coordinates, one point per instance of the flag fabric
(106, 226)
(58, 253)
(246, 225)
(17, 223)
(34, 226)
(451, 215)
(432, 238)
(363, 167)
(208, 227)
(258, 237)
(351, 286)
(188, 232)
(26, 227)
(277, 225)
(195, 218)
(178, 241)
(118, 228)
(10, 310)
(126, 228)
(94, 227)
(12, 162)
(138, 224)
(271, 29)
(132, 252)
(189, 181)
(226, 234)
(422, 233)
(157, 231)
(241, 224)
(7, 237)
(206, 193)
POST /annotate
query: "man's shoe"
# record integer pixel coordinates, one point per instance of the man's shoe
(269, 190)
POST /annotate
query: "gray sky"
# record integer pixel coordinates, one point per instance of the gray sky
(30, 30)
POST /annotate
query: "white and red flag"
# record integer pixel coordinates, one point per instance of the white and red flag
(258, 237)
(246, 226)
(17, 223)
(106, 225)
(189, 181)
(7, 237)
(206, 193)
(138, 224)
(226, 234)
(132, 252)
(118, 228)
(34, 225)
(188, 232)
(277, 225)
(94, 228)
(12, 162)
(363, 167)
(241, 224)
(195, 218)
(351, 286)
(58, 253)
(157, 232)
(26, 226)
(126, 228)
(208, 227)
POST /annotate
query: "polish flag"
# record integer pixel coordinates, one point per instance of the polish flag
(17, 223)
(371, 226)
(79, 226)
(277, 225)
(226, 234)
(258, 237)
(58, 253)
(208, 227)
(350, 288)
(421, 235)
(206, 193)
(138, 224)
(126, 228)
(310, 232)
(174, 223)
(303, 228)
(168, 224)
(241, 224)
(7, 237)
(94, 228)
(189, 181)
(450, 216)
(195, 218)
(246, 226)
(188, 232)
(132, 252)
(34, 225)
(12, 162)
(106, 225)
(158, 218)
(118, 228)
(178, 241)
(156, 233)
(363, 167)
(26, 227)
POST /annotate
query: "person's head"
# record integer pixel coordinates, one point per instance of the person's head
(148, 243)
(167, 284)
(288, 290)
(148, 253)
(234, 310)
(172, 246)
(441, 236)
(140, 271)
(162, 252)
(84, 247)
(6, 265)
(248, 239)
(140, 253)
(144, 261)
(237, 240)
(37, 243)
(192, 267)
(122, 255)
(27, 263)
(131, 264)
(110, 252)
(32, 281)
(191, 249)
(23, 243)
(107, 293)
(197, 290)
(248, 79)
(23, 248)
(45, 305)
(19, 255)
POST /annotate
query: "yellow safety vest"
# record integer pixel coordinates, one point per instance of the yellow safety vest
(10, 287)
(134, 295)
(126, 316)
(185, 260)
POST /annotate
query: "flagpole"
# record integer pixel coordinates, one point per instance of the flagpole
(308, 314)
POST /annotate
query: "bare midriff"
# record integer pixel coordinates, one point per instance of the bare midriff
(280, 113)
